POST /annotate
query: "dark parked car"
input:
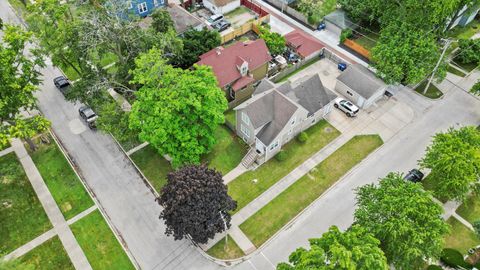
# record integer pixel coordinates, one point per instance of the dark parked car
(414, 176)
(61, 83)
(88, 115)
(221, 25)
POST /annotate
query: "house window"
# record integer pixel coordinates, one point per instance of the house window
(245, 131)
(273, 146)
(142, 8)
(293, 121)
(245, 119)
(350, 93)
(155, 2)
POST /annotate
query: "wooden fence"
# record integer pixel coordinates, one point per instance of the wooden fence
(357, 48)
(248, 26)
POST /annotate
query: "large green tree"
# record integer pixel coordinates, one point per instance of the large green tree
(454, 161)
(403, 216)
(276, 43)
(405, 53)
(19, 79)
(195, 43)
(162, 21)
(176, 110)
(354, 249)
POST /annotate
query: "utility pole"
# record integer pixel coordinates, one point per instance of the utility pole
(226, 234)
(447, 44)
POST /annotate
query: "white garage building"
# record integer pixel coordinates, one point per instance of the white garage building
(221, 6)
(360, 85)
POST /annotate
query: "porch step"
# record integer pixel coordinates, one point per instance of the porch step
(249, 158)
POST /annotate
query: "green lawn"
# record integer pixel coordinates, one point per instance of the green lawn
(460, 238)
(153, 166)
(238, 11)
(127, 143)
(429, 184)
(5, 146)
(285, 78)
(455, 71)
(231, 117)
(48, 256)
(470, 210)
(231, 251)
(244, 190)
(466, 32)
(433, 92)
(22, 217)
(465, 66)
(226, 154)
(102, 249)
(368, 40)
(278, 212)
(67, 190)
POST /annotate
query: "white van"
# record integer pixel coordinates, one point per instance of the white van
(214, 18)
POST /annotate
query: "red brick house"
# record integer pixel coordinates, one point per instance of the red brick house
(238, 66)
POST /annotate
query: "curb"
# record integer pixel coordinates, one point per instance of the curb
(92, 195)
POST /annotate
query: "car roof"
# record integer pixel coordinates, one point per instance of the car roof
(60, 78)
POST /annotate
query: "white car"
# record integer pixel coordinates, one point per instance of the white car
(346, 106)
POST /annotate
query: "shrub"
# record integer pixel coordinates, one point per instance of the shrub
(476, 227)
(281, 156)
(453, 258)
(469, 51)
(434, 267)
(346, 33)
(302, 137)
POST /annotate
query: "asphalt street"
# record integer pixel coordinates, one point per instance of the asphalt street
(133, 212)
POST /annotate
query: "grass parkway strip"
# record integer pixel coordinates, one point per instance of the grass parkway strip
(244, 189)
(226, 252)
(102, 249)
(22, 215)
(276, 214)
(61, 180)
(47, 256)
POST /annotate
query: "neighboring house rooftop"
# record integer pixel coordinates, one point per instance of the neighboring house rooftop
(362, 80)
(221, 3)
(303, 43)
(183, 19)
(309, 92)
(224, 60)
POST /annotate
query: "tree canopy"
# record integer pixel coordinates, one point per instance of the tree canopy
(276, 43)
(195, 203)
(19, 79)
(454, 160)
(404, 218)
(469, 51)
(354, 249)
(162, 21)
(176, 110)
(196, 43)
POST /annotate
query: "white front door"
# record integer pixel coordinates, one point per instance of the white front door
(259, 146)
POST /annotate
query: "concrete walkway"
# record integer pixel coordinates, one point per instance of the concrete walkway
(136, 148)
(6, 151)
(386, 120)
(236, 172)
(60, 226)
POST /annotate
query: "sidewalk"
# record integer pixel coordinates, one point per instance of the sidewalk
(386, 120)
(60, 226)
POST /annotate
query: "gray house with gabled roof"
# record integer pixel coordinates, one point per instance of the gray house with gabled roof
(275, 115)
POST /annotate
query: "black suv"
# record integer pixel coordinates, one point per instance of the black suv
(88, 115)
(62, 84)
(414, 176)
